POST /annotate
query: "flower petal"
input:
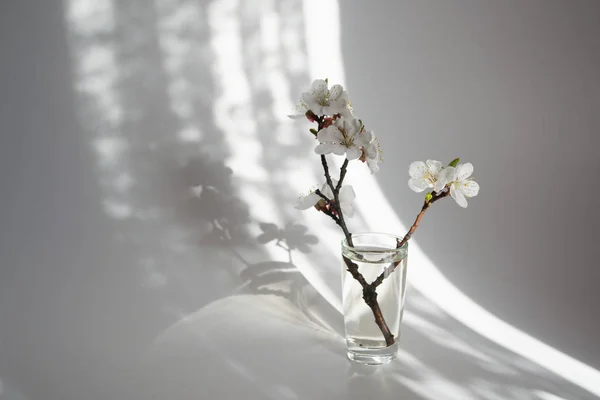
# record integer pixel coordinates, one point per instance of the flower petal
(458, 196)
(353, 126)
(312, 103)
(434, 166)
(335, 92)
(306, 202)
(329, 134)
(352, 153)
(417, 169)
(338, 149)
(371, 151)
(347, 194)
(318, 85)
(347, 197)
(417, 184)
(319, 89)
(338, 104)
(330, 110)
(324, 148)
(470, 188)
(341, 122)
(364, 138)
(448, 174)
(464, 171)
(307, 98)
(348, 210)
(440, 183)
(326, 190)
(373, 164)
(347, 111)
(299, 111)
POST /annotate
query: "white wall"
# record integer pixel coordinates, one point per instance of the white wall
(100, 256)
(514, 88)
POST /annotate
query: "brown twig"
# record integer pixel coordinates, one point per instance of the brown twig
(435, 197)
(342, 175)
(390, 268)
(327, 176)
(353, 270)
(336, 196)
(330, 214)
(370, 297)
(321, 195)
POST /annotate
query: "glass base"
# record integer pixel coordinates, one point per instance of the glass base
(371, 355)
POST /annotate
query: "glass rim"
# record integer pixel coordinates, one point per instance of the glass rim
(404, 247)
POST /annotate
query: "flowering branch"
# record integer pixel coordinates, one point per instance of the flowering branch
(340, 133)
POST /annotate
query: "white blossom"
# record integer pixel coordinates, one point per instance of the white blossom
(306, 201)
(345, 136)
(424, 175)
(323, 101)
(346, 197)
(460, 183)
(372, 154)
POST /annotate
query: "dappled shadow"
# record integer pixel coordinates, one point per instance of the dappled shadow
(284, 279)
(182, 104)
(211, 209)
(292, 236)
(202, 143)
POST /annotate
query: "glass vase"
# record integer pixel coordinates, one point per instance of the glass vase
(373, 288)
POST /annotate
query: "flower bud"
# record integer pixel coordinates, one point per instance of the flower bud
(311, 116)
(321, 205)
